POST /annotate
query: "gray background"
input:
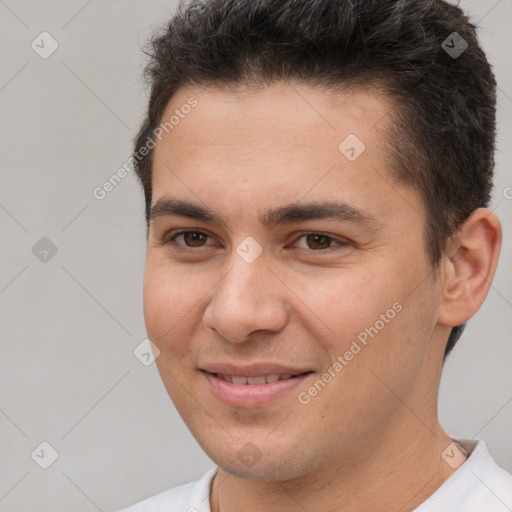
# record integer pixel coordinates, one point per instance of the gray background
(69, 325)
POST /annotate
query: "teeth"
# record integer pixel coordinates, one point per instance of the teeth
(256, 380)
(262, 379)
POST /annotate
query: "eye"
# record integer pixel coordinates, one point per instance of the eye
(191, 239)
(320, 242)
(314, 242)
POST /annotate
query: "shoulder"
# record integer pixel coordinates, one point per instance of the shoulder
(190, 497)
(494, 484)
(479, 485)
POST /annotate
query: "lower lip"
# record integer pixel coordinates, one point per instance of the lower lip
(248, 396)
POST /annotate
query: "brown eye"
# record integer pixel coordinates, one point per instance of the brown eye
(194, 238)
(318, 241)
(187, 239)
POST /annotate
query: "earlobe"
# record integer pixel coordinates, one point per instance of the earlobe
(469, 266)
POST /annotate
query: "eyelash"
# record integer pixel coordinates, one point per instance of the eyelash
(170, 241)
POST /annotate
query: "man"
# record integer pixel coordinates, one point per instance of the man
(316, 176)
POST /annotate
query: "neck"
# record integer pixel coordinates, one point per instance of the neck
(398, 470)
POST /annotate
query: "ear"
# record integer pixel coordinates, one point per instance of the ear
(469, 264)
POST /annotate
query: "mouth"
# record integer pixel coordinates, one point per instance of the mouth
(251, 388)
(261, 379)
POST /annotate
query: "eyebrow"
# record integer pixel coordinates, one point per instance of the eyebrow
(286, 214)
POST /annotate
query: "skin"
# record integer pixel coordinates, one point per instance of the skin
(371, 437)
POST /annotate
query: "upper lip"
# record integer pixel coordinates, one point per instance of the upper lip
(252, 370)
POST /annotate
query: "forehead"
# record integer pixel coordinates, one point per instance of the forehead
(288, 110)
(278, 144)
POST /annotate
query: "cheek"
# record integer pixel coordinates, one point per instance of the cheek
(170, 298)
(345, 302)
(372, 321)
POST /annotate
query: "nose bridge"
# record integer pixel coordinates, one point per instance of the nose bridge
(246, 300)
(246, 280)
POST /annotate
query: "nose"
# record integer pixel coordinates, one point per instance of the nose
(249, 298)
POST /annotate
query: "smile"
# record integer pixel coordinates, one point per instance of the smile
(254, 391)
(262, 379)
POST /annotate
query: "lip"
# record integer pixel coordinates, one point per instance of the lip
(250, 396)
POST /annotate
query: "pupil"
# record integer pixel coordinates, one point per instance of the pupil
(319, 237)
(192, 238)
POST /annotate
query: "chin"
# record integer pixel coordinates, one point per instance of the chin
(271, 464)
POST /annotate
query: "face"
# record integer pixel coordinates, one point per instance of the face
(287, 285)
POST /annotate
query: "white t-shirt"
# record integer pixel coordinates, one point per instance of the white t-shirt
(478, 485)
